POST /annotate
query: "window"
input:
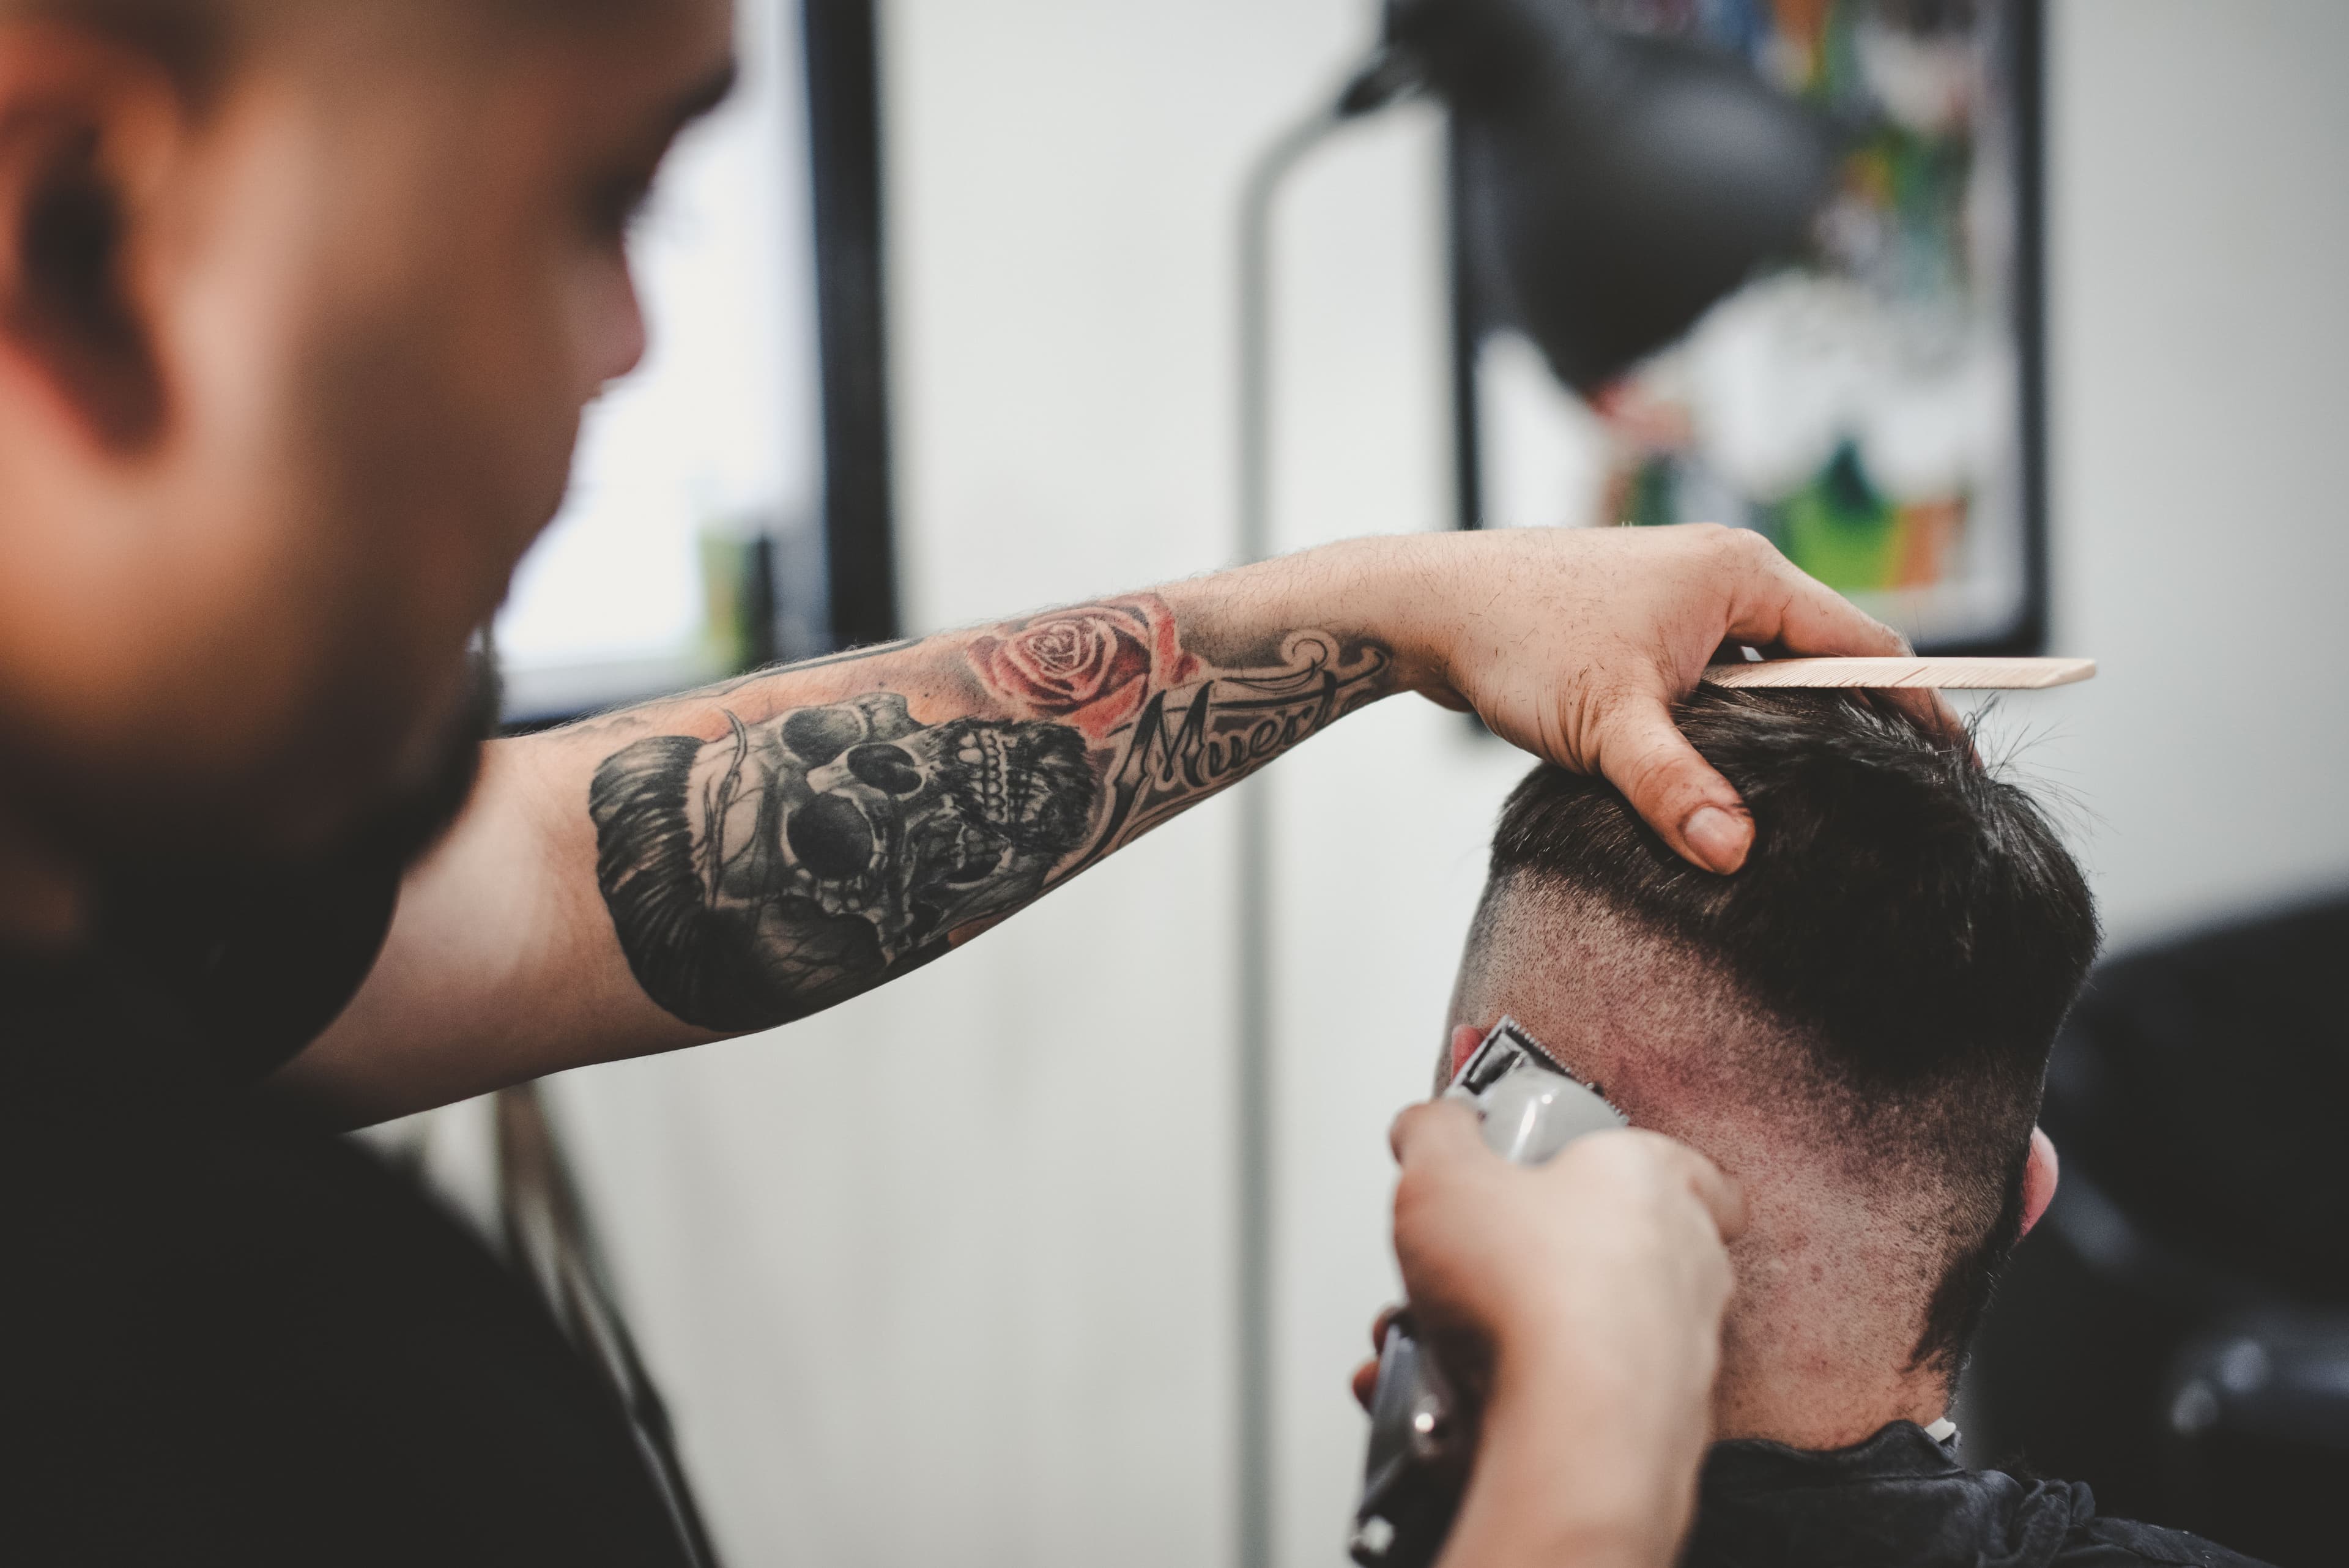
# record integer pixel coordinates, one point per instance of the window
(707, 463)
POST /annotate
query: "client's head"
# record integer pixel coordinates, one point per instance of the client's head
(1856, 1025)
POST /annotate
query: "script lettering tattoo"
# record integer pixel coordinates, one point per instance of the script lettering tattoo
(1188, 744)
(796, 859)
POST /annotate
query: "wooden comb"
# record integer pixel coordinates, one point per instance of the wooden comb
(1946, 674)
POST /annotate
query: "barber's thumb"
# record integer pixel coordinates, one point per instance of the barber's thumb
(1434, 1130)
(1695, 810)
(1676, 1164)
(1723, 1197)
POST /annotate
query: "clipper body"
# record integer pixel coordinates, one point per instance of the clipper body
(1422, 1428)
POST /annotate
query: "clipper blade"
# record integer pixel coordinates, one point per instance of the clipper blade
(1505, 1046)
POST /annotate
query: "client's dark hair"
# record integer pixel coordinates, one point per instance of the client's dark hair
(1910, 918)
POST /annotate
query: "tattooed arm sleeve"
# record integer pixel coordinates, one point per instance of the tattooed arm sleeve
(792, 839)
(742, 856)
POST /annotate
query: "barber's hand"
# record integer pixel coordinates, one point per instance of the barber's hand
(1593, 1289)
(1573, 643)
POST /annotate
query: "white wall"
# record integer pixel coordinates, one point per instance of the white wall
(2201, 381)
(943, 1275)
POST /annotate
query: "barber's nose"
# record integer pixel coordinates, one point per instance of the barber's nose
(618, 326)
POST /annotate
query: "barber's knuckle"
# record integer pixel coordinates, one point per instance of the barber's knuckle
(1748, 548)
(1653, 777)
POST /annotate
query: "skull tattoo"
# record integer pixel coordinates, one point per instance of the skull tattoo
(798, 860)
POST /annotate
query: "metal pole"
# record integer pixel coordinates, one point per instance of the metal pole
(1253, 1066)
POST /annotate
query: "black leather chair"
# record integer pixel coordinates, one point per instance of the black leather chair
(2176, 1333)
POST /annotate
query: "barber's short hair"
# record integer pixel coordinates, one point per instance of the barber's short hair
(1907, 915)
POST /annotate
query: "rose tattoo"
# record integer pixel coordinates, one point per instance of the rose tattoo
(1092, 665)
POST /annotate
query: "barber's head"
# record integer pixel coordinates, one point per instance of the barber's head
(1856, 1025)
(300, 301)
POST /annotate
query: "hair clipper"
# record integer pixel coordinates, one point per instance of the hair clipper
(1422, 1427)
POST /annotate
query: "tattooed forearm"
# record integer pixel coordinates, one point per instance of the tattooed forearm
(782, 860)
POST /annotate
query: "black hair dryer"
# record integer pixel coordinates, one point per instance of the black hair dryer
(1422, 1427)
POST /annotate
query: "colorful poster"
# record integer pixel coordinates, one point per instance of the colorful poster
(1866, 405)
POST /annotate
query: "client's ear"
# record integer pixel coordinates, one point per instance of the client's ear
(1466, 1038)
(2038, 1179)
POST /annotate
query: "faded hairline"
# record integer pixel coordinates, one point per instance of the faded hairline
(1528, 924)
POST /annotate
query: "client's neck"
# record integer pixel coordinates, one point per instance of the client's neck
(1818, 1350)
(1790, 1394)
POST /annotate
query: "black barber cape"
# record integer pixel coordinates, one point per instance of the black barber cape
(1901, 1501)
(231, 1338)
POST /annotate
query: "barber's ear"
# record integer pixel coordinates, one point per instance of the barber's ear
(88, 133)
(2038, 1179)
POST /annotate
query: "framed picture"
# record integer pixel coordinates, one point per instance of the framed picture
(1875, 406)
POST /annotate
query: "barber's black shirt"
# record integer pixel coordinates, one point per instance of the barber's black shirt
(1901, 1498)
(231, 1338)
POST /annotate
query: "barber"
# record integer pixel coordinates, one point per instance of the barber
(299, 305)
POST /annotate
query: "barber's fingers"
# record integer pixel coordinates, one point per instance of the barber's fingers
(1640, 750)
(1366, 1377)
(1787, 608)
(1366, 1383)
(1717, 1190)
(1779, 603)
(1722, 1196)
(1433, 1131)
(1929, 709)
(1441, 1133)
